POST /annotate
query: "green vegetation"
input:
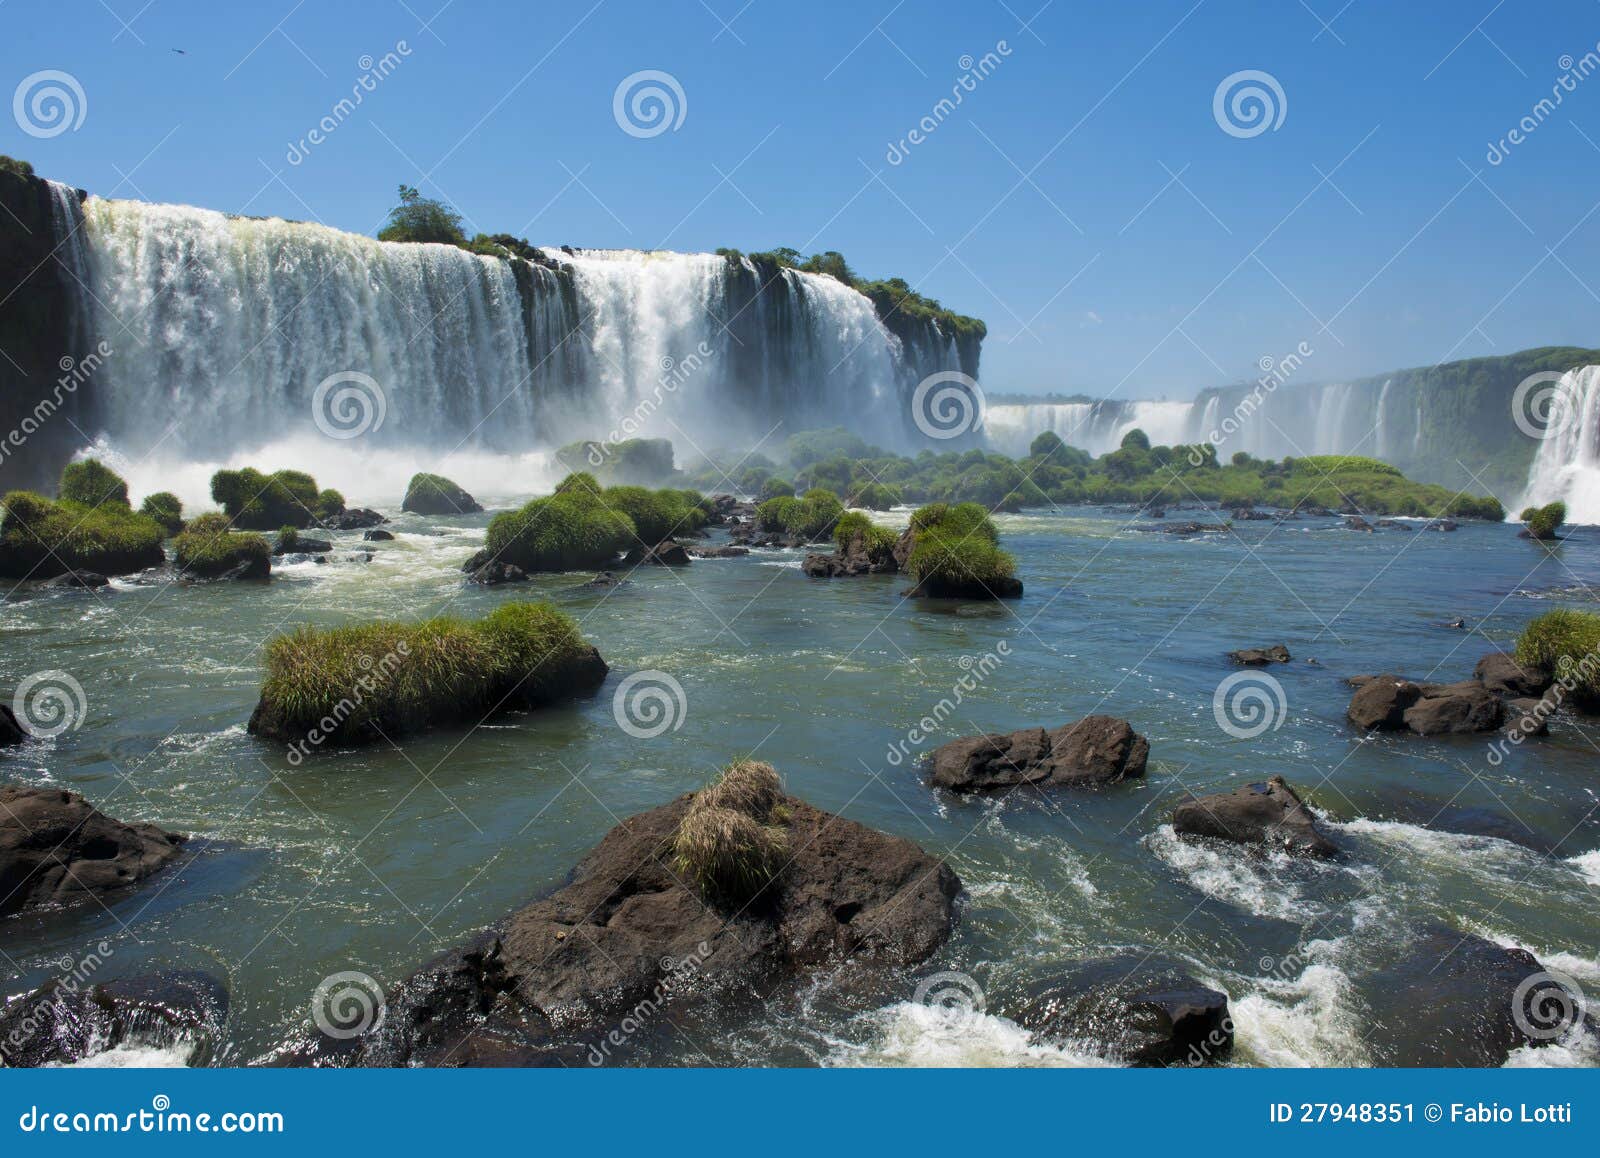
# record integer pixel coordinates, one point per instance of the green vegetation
(209, 548)
(92, 483)
(422, 219)
(810, 518)
(874, 496)
(356, 684)
(263, 502)
(1542, 522)
(165, 508)
(732, 841)
(657, 515)
(1566, 643)
(642, 461)
(40, 539)
(776, 488)
(573, 529)
(957, 547)
(433, 494)
(15, 167)
(876, 542)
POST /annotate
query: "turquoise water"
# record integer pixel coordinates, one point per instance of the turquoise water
(373, 860)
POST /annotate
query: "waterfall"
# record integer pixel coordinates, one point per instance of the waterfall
(1381, 438)
(225, 327)
(1566, 465)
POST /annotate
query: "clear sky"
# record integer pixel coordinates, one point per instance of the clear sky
(1083, 197)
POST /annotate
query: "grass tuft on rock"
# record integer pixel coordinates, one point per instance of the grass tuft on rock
(209, 547)
(92, 483)
(810, 518)
(574, 529)
(1542, 522)
(957, 546)
(264, 502)
(1566, 643)
(658, 514)
(732, 842)
(877, 542)
(165, 508)
(433, 494)
(41, 539)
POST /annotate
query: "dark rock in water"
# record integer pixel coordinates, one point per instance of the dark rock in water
(666, 553)
(1156, 512)
(356, 519)
(1133, 1010)
(1250, 514)
(1504, 676)
(431, 494)
(378, 535)
(67, 1020)
(1455, 624)
(1188, 528)
(607, 579)
(1528, 716)
(1468, 821)
(1453, 708)
(938, 587)
(564, 969)
(301, 545)
(1258, 656)
(717, 552)
(1096, 750)
(1380, 702)
(491, 574)
(1268, 814)
(10, 731)
(858, 557)
(55, 847)
(79, 579)
(1458, 1000)
(1357, 523)
(1440, 525)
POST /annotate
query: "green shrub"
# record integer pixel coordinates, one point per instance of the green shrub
(1566, 643)
(878, 542)
(1542, 522)
(656, 515)
(209, 547)
(262, 502)
(876, 496)
(810, 518)
(329, 503)
(92, 483)
(957, 546)
(732, 842)
(360, 683)
(165, 508)
(571, 530)
(776, 488)
(15, 167)
(422, 219)
(41, 539)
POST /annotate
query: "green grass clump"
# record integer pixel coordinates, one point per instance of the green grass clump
(359, 683)
(776, 488)
(165, 508)
(1566, 643)
(91, 483)
(1542, 522)
(263, 502)
(41, 539)
(732, 842)
(878, 542)
(957, 546)
(657, 515)
(209, 547)
(875, 496)
(810, 518)
(573, 529)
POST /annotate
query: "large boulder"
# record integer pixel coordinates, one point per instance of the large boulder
(1260, 656)
(1504, 676)
(1269, 814)
(55, 847)
(67, 1020)
(1094, 751)
(627, 928)
(11, 732)
(1380, 702)
(1454, 708)
(667, 553)
(1133, 1010)
(432, 494)
(355, 519)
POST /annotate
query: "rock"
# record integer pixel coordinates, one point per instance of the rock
(1504, 676)
(1135, 1011)
(77, 579)
(1187, 528)
(1380, 702)
(301, 545)
(1453, 708)
(1096, 750)
(717, 552)
(431, 494)
(1529, 717)
(1250, 514)
(607, 579)
(666, 553)
(492, 574)
(1440, 525)
(356, 519)
(11, 732)
(1258, 656)
(378, 535)
(1268, 814)
(55, 847)
(557, 975)
(67, 1020)
(1357, 523)
(1453, 1000)
(1156, 512)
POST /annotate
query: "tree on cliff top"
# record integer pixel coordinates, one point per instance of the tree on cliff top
(419, 218)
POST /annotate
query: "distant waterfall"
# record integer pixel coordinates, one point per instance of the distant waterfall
(224, 328)
(1566, 465)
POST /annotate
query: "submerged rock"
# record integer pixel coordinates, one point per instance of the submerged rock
(1258, 656)
(945, 587)
(717, 552)
(378, 535)
(67, 1020)
(11, 732)
(1096, 750)
(492, 574)
(78, 579)
(56, 847)
(1269, 814)
(1133, 1010)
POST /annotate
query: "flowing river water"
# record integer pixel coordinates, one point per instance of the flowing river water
(375, 859)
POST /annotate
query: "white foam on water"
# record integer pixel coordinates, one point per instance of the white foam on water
(1258, 882)
(912, 1034)
(1307, 1020)
(137, 1057)
(1588, 864)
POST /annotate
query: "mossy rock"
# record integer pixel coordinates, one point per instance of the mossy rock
(209, 548)
(432, 494)
(40, 539)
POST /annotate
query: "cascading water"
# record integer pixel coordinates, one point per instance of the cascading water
(1566, 465)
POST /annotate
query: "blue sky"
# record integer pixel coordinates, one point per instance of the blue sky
(1083, 198)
